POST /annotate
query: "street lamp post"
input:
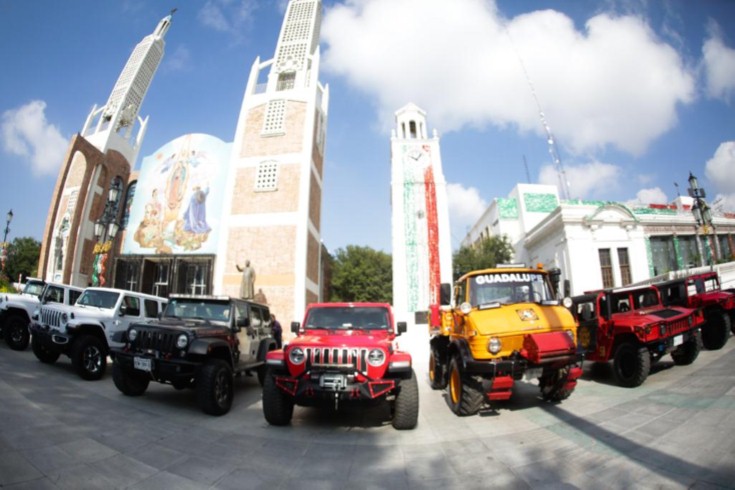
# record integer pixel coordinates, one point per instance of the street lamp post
(703, 214)
(4, 251)
(105, 229)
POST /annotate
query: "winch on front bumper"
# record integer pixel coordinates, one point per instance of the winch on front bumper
(315, 386)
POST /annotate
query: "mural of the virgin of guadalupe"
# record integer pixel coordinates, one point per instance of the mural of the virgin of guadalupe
(175, 219)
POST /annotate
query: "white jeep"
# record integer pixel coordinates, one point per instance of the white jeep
(84, 331)
(16, 310)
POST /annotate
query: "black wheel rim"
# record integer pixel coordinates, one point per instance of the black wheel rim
(92, 359)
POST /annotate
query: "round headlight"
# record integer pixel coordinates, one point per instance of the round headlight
(296, 356)
(494, 345)
(567, 302)
(376, 357)
(36, 314)
(181, 341)
(465, 308)
(132, 334)
(64, 319)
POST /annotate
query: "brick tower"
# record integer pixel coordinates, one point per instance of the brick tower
(274, 191)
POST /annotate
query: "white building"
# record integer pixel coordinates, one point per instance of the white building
(600, 244)
(422, 253)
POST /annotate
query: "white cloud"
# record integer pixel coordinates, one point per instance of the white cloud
(458, 62)
(719, 67)
(465, 208)
(590, 180)
(651, 196)
(26, 133)
(227, 15)
(719, 171)
(179, 60)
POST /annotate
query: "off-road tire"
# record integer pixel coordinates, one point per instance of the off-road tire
(42, 352)
(215, 389)
(716, 331)
(129, 384)
(552, 382)
(631, 365)
(261, 372)
(687, 352)
(465, 392)
(277, 405)
(89, 357)
(16, 332)
(437, 371)
(406, 404)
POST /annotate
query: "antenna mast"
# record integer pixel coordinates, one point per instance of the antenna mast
(560, 172)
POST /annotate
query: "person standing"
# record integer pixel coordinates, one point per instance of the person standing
(277, 331)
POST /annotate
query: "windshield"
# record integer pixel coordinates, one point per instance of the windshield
(101, 299)
(506, 288)
(52, 294)
(348, 317)
(34, 287)
(216, 311)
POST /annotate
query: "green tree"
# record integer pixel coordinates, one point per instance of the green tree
(486, 253)
(361, 274)
(23, 255)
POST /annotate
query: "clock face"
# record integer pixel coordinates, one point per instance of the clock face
(419, 154)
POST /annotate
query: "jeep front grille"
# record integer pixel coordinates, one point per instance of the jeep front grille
(50, 317)
(153, 339)
(337, 357)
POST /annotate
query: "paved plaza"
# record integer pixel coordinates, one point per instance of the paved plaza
(677, 430)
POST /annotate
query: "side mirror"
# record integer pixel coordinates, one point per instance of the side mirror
(123, 310)
(242, 322)
(401, 327)
(445, 294)
(295, 326)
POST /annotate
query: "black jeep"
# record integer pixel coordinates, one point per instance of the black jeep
(199, 342)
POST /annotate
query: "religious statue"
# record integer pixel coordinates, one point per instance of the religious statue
(247, 286)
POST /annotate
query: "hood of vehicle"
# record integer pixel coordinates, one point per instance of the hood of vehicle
(346, 338)
(187, 325)
(520, 318)
(652, 315)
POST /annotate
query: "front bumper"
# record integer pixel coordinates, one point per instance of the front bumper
(50, 338)
(161, 369)
(314, 387)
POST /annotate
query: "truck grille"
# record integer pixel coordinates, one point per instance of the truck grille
(50, 317)
(154, 339)
(679, 326)
(326, 357)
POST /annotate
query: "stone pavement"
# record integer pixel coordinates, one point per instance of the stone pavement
(677, 430)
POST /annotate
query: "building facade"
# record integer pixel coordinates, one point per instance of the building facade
(200, 208)
(422, 254)
(600, 244)
(77, 245)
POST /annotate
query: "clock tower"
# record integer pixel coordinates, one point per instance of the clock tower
(422, 254)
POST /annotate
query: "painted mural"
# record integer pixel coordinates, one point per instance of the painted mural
(178, 201)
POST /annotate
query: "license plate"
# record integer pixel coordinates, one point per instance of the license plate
(143, 364)
(333, 382)
(678, 340)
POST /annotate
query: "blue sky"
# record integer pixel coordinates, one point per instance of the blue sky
(637, 94)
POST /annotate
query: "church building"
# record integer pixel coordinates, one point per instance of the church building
(200, 208)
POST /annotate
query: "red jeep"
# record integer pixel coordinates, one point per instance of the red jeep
(703, 291)
(633, 328)
(343, 353)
